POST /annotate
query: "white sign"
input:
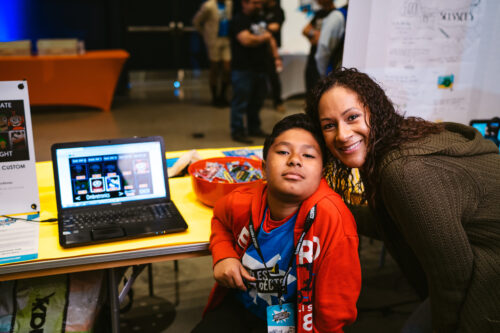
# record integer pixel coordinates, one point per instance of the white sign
(18, 184)
(436, 59)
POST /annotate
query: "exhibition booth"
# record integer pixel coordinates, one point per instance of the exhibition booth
(437, 70)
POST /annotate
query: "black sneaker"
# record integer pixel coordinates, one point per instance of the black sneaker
(238, 137)
(222, 102)
(259, 133)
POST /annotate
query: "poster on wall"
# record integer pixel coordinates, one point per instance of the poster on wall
(18, 183)
(435, 59)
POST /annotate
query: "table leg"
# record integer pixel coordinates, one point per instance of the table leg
(113, 301)
(150, 280)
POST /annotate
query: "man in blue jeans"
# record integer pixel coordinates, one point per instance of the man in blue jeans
(251, 45)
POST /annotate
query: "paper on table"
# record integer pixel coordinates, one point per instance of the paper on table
(183, 161)
(249, 153)
(18, 239)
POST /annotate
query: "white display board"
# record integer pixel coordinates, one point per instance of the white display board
(292, 40)
(438, 60)
(18, 183)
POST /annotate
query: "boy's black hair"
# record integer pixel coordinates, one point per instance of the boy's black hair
(298, 120)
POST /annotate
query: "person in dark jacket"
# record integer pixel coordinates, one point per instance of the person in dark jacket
(435, 191)
(251, 45)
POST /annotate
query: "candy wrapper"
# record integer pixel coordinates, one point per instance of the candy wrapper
(210, 171)
(232, 172)
(223, 176)
(243, 172)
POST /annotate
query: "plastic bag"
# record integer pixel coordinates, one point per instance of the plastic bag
(57, 303)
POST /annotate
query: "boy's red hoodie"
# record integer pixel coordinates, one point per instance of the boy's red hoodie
(328, 270)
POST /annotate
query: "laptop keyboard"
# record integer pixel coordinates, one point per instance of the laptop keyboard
(104, 217)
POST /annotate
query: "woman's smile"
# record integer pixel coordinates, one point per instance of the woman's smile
(345, 125)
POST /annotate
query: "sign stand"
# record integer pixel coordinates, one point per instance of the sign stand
(18, 183)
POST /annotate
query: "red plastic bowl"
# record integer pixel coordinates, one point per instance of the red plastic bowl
(209, 192)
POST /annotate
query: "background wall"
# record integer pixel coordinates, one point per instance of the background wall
(410, 46)
(163, 37)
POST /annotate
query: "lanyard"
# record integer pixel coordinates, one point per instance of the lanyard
(307, 225)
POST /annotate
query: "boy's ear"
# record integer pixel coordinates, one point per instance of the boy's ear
(264, 176)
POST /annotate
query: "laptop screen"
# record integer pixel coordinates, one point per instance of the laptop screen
(106, 174)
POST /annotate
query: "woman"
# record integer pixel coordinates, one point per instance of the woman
(435, 191)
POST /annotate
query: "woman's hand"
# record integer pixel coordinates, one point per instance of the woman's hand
(230, 273)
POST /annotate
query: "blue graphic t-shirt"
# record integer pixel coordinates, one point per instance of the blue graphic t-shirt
(223, 21)
(277, 249)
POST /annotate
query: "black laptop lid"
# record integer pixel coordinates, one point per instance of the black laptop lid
(109, 172)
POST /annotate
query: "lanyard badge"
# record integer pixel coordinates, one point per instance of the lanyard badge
(281, 317)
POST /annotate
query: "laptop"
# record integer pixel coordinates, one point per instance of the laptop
(111, 190)
(489, 128)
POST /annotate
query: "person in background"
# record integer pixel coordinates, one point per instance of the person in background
(434, 190)
(274, 16)
(212, 21)
(259, 269)
(312, 32)
(331, 41)
(251, 44)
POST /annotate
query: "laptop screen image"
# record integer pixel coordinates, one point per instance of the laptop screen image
(107, 174)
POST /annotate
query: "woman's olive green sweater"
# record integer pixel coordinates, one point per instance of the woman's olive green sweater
(439, 212)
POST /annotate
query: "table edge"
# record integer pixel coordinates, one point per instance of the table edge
(114, 257)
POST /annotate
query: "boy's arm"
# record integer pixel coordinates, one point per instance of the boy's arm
(228, 270)
(222, 242)
(338, 281)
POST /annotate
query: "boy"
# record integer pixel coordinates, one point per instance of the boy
(260, 272)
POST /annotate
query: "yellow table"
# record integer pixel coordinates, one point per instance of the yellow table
(53, 259)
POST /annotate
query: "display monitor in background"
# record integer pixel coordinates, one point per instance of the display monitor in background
(488, 128)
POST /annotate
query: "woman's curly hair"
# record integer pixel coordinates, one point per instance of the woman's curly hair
(388, 130)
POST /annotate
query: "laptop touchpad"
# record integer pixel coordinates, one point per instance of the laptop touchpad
(107, 233)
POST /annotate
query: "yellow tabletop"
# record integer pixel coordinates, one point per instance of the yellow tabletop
(196, 214)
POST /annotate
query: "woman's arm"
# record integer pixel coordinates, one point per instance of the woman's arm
(427, 201)
(365, 221)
